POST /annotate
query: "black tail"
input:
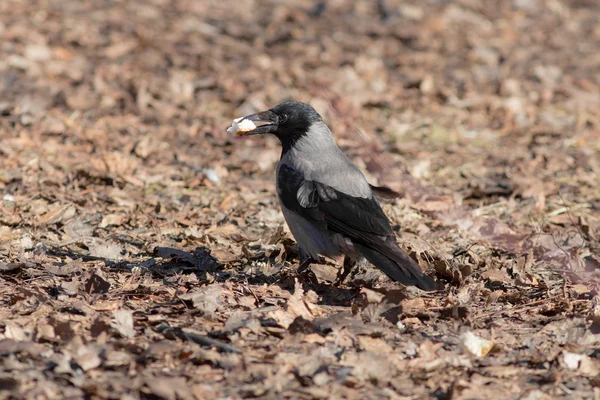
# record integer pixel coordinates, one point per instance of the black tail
(400, 268)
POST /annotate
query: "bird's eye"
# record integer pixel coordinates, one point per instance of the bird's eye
(283, 118)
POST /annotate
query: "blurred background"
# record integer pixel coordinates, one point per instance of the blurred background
(489, 103)
(445, 84)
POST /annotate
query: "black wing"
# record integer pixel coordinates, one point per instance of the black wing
(360, 219)
(384, 192)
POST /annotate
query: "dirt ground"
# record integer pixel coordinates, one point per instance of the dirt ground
(142, 250)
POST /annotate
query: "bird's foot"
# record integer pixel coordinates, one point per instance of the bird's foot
(347, 267)
(304, 272)
(305, 261)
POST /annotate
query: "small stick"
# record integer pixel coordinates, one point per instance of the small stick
(197, 337)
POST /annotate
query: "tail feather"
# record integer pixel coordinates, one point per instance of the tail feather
(401, 267)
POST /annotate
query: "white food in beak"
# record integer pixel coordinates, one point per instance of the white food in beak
(241, 125)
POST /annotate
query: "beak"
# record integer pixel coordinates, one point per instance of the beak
(266, 121)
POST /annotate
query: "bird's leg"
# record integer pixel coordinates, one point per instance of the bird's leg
(305, 261)
(304, 272)
(349, 264)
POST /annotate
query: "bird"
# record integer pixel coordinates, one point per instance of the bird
(328, 205)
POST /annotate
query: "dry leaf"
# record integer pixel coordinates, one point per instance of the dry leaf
(301, 304)
(112, 220)
(56, 214)
(87, 358)
(207, 299)
(106, 250)
(96, 283)
(123, 323)
(375, 345)
(581, 363)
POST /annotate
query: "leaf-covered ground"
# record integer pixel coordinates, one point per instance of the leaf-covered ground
(142, 250)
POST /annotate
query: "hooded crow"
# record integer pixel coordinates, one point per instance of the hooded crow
(327, 202)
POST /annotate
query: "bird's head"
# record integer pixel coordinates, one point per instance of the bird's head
(288, 121)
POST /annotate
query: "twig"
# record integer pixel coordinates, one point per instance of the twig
(564, 388)
(197, 337)
(52, 243)
(444, 259)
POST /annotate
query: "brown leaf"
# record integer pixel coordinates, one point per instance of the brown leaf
(369, 366)
(63, 329)
(112, 220)
(7, 234)
(57, 213)
(301, 304)
(241, 319)
(87, 358)
(314, 338)
(207, 299)
(121, 48)
(301, 325)
(123, 323)
(412, 306)
(169, 388)
(345, 321)
(46, 332)
(14, 331)
(372, 296)
(79, 229)
(10, 267)
(96, 283)
(106, 250)
(10, 346)
(324, 272)
(99, 326)
(375, 345)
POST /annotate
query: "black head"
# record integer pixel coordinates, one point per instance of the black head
(288, 121)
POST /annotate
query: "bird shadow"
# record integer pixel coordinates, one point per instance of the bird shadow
(169, 262)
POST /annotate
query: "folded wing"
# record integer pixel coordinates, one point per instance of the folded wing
(360, 219)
